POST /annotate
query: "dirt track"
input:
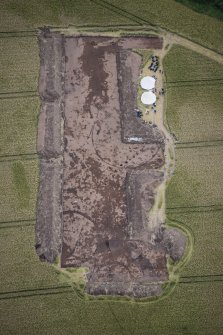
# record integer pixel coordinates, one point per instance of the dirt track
(109, 180)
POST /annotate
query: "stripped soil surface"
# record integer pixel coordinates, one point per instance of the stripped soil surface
(109, 163)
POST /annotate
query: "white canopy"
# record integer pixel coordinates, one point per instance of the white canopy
(148, 98)
(147, 83)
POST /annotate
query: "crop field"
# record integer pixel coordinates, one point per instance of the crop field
(192, 115)
(21, 268)
(19, 63)
(194, 194)
(62, 313)
(198, 177)
(183, 66)
(20, 15)
(168, 15)
(30, 15)
(19, 180)
(34, 297)
(18, 126)
(204, 118)
(206, 227)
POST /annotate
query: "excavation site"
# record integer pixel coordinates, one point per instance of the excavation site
(102, 167)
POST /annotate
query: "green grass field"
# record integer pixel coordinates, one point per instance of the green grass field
(33, 297)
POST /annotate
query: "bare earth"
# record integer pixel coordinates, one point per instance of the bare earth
(100, 166)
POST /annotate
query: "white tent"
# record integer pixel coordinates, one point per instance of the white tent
(148, 98)
(147, 83)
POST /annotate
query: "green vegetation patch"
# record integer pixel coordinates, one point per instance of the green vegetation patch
(18, 125)
(176, 18)
(19, 180)
(206, 228)
(19, 59)
(198, 179)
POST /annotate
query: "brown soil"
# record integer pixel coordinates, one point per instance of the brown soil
(109, 180)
